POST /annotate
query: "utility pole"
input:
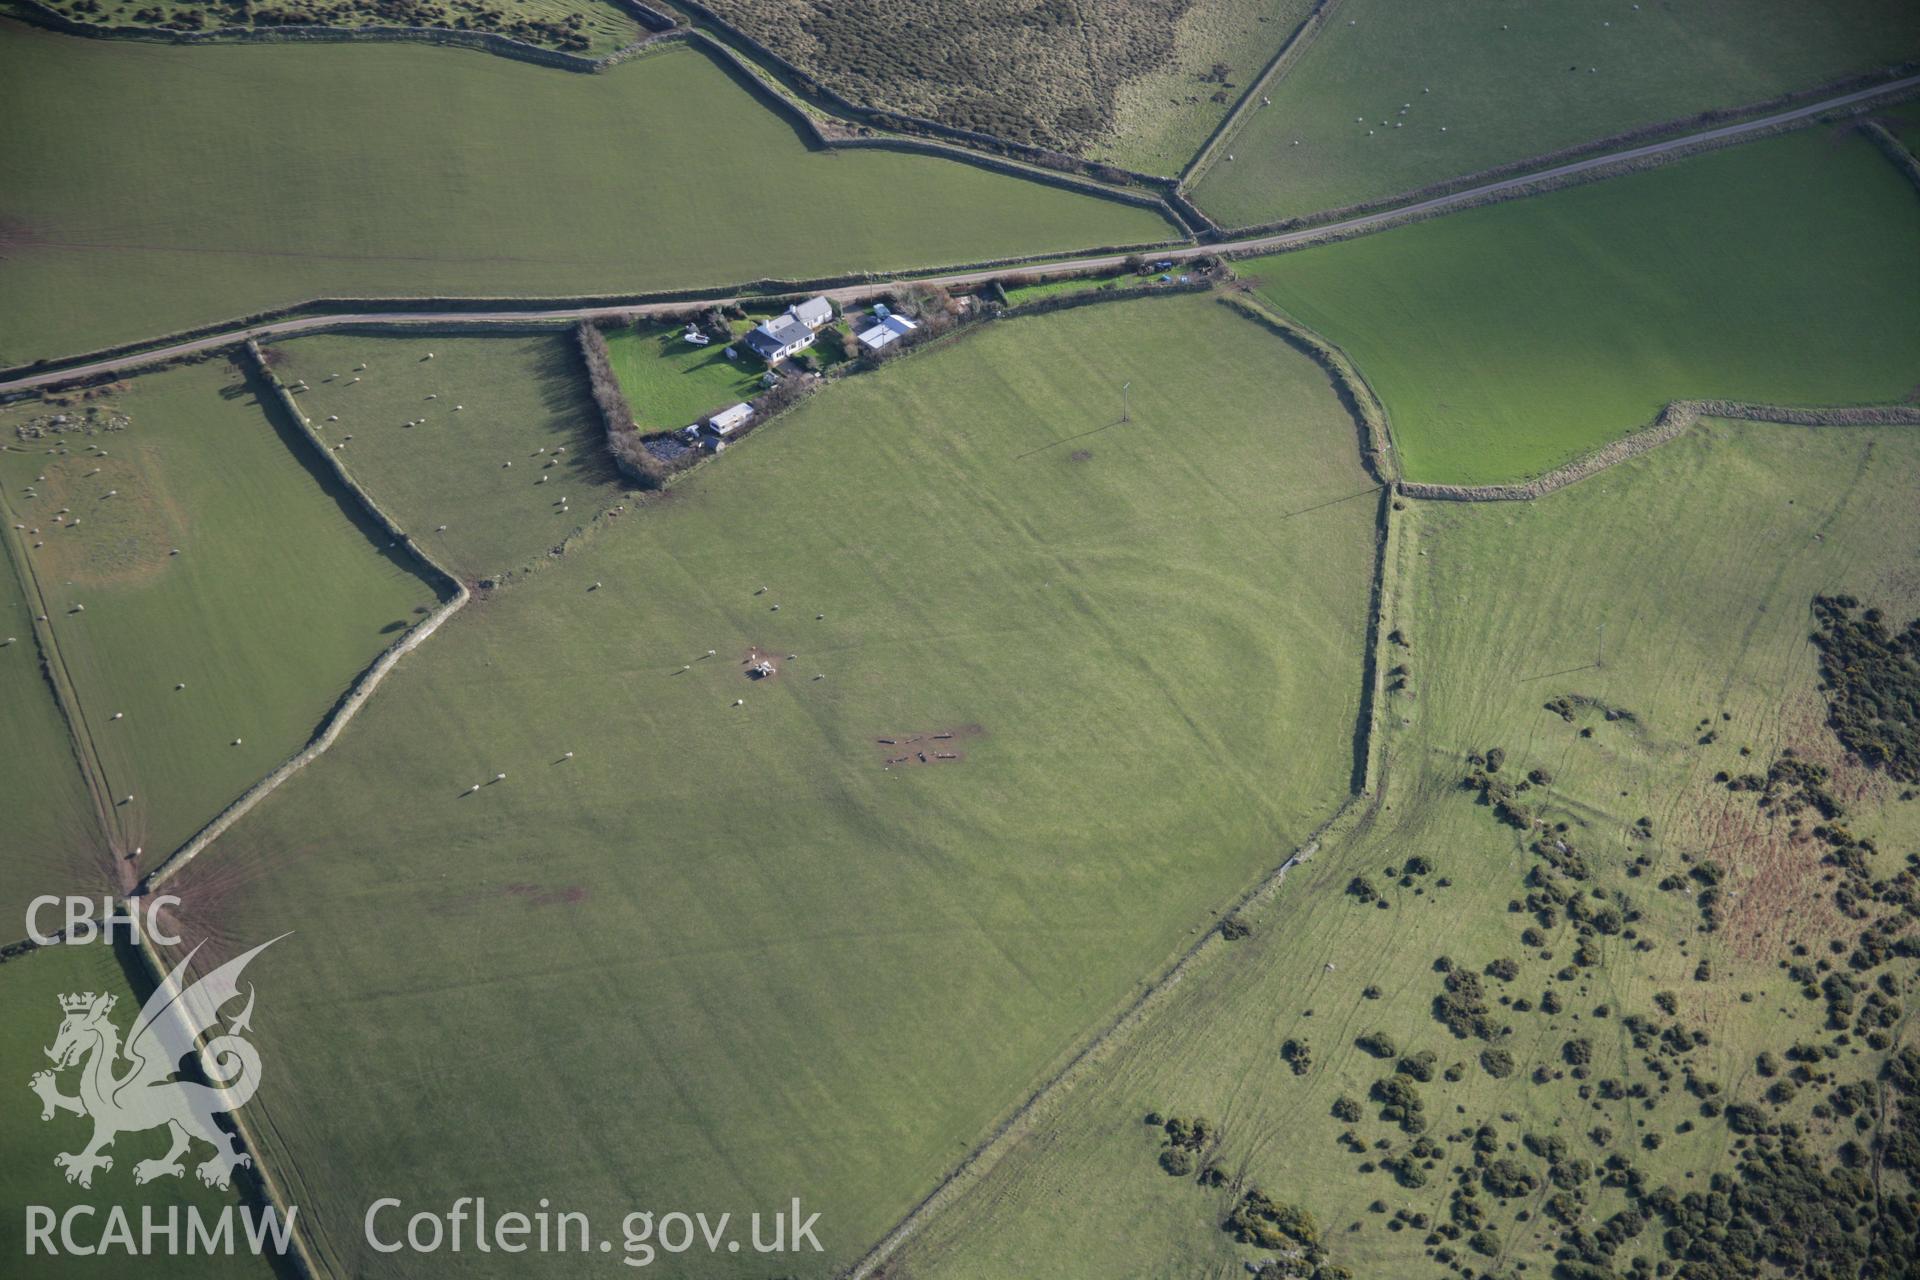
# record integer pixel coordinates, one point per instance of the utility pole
(1124, 417)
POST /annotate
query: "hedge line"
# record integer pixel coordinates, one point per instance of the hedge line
(1333, 233)
(629, 451)
(1646, 133)
(1895, 150)
(363, 688)
(1376, 442)
(766, 289)
(1094, 293)
(1676, 418)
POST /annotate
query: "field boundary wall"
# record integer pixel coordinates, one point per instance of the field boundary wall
(1679, 127)
(363, 688)
(1674, 420)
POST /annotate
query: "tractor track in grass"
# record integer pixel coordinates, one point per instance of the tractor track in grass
(533, 313)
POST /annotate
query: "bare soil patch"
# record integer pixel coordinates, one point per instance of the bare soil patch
(938, 746)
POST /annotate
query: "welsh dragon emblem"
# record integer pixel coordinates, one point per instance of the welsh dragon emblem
(131, 1088)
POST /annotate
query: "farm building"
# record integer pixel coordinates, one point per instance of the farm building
(815, 313)
(890, 330)
(779, 338)
(730, 419)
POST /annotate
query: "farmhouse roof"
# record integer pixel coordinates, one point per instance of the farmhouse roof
(814, 312)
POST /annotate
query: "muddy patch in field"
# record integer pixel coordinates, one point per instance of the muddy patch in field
(911, 750)
(546, 895)
(761, 665)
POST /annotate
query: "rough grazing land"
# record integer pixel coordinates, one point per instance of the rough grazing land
(1624, 1061)
(585, 28)
(1507, 340)
(1397, 94)
(30, 991)
(758, 960)
(277, 598)
(1043, 73)
(501, 178)
(1162, 115)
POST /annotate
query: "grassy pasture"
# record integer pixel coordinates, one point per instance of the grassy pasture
(1500, 605)
(30, 990)
(53, 842)
(521, 400)
(673, 384)
(277, 599)
(758, 960)
(1509, 80)
(406, 170)
(1509, 339)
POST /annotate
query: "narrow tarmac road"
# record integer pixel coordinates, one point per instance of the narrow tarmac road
(854, 293)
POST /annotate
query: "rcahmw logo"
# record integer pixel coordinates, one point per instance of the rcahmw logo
(131, 1087)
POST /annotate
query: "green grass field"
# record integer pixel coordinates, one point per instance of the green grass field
(1509, 339)
(1162, 116)
(481, 403)
(405, 170)
(277, 599)
(753, 958)
(53, 843)
(1499, 605)
(672, 384)
(30, 991)
(1508, 80)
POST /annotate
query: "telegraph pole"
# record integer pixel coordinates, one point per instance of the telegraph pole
(1124, 417)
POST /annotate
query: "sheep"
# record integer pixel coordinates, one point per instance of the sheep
(173, 551)
(129, 799)
(359, 368)
(762, 591)
(541, 480)
(475, 787)
(333, 417)
(119, 715)
(457, 408)
(709, 653)
(238, 741)
(179, 686)
(594, 587)
(819, 617)
(775, 609)
(439, 528)
(819, 675)
(499, 777)
(739, 702)
(433, 395)
(79, 608)
(567, 756)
